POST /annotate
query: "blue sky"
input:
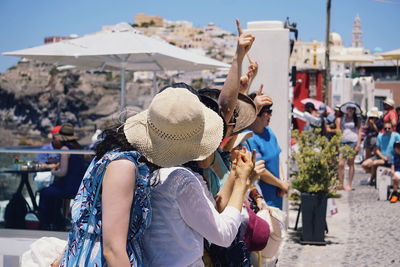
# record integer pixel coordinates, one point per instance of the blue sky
(24, 23)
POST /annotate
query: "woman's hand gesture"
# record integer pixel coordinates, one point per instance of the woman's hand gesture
(243, 165)
(245, 41)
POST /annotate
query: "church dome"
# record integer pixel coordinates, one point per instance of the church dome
(335, 39)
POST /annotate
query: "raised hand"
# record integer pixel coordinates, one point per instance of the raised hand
(262, 100)
(246, 80)
(244, 165)
(253, 68)
(245, 40)
(259, 167)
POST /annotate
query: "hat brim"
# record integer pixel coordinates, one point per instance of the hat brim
(247, 113)
(388, 103)
(241, 138)
(65, 138)
(373, 114)
(247, 110)
(344, 107)
(237, 140)
(165, 152)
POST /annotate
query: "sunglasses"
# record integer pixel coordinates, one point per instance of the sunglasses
(263, 111)
(388, 129)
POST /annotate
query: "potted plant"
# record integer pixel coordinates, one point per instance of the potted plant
(314, 171)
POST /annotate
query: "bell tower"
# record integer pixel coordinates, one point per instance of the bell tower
(357, 33)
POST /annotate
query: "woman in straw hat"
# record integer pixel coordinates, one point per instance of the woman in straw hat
(108, 229)
(68, 177)
(168, 135)
(350, 127)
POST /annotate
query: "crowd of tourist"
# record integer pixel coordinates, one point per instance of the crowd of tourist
(373, 135)
(194, 180)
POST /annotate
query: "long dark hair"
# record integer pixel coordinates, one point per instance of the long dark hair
(112, 138)
(355, 118)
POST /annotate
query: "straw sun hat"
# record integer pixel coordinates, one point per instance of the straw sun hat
(175, 129)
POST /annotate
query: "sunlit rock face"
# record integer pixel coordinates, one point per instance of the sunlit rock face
(35, 96)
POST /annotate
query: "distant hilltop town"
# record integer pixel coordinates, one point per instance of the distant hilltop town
(209, 40)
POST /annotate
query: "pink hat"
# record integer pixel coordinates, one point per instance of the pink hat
(257, 232)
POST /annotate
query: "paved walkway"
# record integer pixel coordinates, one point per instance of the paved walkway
(365, 232)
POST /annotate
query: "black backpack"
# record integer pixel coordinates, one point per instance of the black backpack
(16, 210)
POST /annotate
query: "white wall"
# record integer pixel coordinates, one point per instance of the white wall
(360, 90)
(341, 90)
(363, 92)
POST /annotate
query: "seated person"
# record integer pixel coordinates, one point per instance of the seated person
(395, 172)
(383, 150)
(68, 177)
(51, 160)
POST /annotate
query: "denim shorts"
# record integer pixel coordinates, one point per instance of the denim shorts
(350, 144)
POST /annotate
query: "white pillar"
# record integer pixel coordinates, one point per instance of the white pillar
(271, 50)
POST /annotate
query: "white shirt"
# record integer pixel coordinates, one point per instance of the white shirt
(182, 217)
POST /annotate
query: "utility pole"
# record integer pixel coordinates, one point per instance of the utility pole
(327, 62)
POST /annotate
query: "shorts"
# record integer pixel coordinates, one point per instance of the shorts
(386, 164)
(396, 175)
(350, 144)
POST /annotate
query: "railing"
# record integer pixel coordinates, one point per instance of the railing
(45, 151)
(10, 172)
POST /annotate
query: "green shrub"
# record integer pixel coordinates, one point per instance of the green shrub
(316, 162)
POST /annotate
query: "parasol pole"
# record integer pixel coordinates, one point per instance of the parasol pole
(327, 63)
(122, 95)
(154, 85)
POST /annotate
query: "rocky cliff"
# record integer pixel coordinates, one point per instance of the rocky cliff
(35, 96)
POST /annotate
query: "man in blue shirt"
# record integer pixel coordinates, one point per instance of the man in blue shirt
(383, 150)
(268, 151)
(50, 159)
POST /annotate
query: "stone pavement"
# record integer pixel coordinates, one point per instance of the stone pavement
(365, 232)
